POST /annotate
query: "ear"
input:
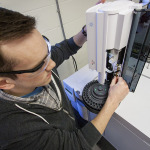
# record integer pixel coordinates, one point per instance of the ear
(6, 83)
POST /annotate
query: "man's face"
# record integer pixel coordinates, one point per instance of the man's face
(30, 52)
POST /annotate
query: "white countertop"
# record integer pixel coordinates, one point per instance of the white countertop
(135, 108)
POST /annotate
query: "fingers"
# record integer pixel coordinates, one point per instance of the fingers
(117, 80)
(120, 79)
(118, 90)
(122, 82)
(114, 81)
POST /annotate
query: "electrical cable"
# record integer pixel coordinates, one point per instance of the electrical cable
(63, 32)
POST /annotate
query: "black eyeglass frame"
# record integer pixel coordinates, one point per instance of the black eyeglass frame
(34, 69)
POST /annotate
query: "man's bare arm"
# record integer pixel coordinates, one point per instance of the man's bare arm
(117, 92)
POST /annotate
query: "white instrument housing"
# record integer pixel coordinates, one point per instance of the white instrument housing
(108, 28)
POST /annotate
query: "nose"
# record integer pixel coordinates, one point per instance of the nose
(50, 66)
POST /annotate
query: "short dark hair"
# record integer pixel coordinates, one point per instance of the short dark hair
(13, 26)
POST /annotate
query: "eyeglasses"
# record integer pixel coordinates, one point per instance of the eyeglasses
(38, 69)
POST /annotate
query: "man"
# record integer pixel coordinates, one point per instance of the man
(34, 110)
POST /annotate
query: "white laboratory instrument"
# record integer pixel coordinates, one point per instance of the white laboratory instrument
(118, 45)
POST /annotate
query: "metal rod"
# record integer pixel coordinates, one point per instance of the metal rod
(99, 77)
(60, 19)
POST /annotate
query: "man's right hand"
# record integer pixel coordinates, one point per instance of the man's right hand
(118, 91)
